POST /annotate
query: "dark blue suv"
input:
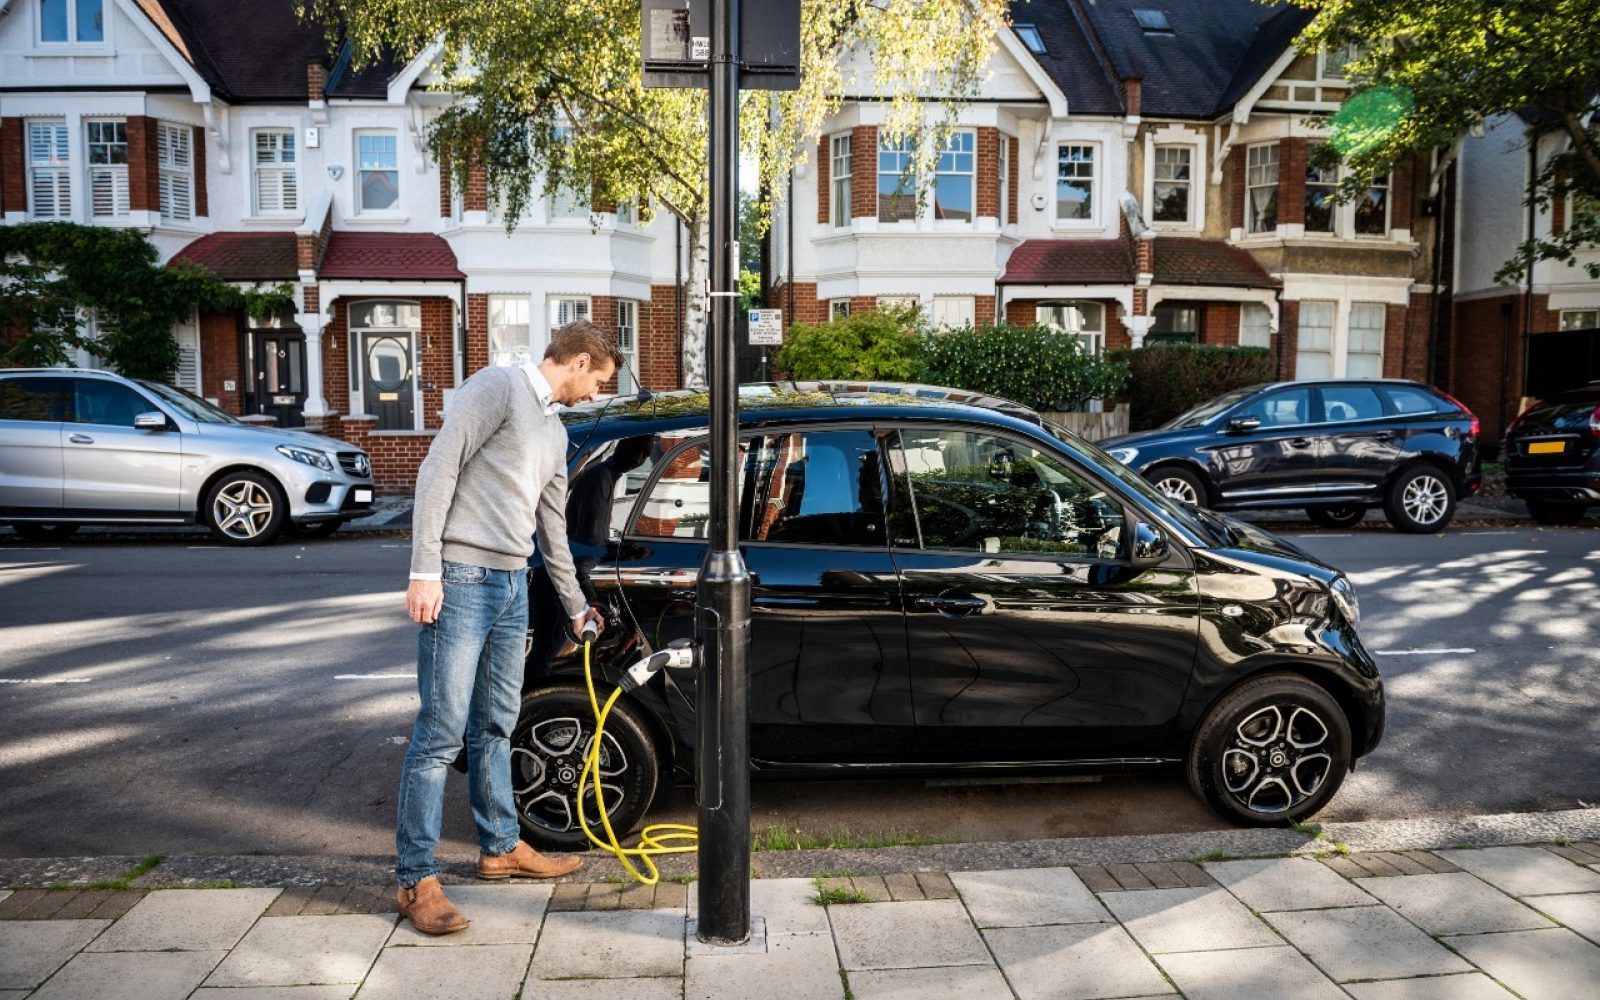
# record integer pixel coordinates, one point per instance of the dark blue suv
(1334, 448)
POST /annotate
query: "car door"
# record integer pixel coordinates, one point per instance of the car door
(1264, 452)
(1357, 443)
(32, 413)
(111, 467)
(829, 680)
(1032, 636)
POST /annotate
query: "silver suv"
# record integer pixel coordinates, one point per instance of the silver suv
(89, 447)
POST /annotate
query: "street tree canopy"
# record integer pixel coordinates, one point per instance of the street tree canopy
(549, 97)
(1438, 68)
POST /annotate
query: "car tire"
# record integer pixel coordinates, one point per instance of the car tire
(1180, 484)
(1420, 499)
(317, 529)
(245, 508)
(1547, 512)
(548, 746)
(1274, 749)
(1336, 517)
(34, 531)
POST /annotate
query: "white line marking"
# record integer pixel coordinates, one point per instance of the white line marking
(32, 680)
(374, 677)
(1422, 652)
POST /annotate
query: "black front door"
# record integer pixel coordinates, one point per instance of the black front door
(276, 385)
(389, 378)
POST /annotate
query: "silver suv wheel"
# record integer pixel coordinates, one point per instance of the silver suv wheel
(246, 508)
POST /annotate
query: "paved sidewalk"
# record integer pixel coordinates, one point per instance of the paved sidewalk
(1448, 923)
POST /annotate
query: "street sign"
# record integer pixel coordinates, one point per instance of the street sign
(677, 43)
(766, 326)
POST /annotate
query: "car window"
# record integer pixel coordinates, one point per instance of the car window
(1278, 409)
(602, 495)
(812, 488)
(188, 404)
(1350, 402)
(1407, 401)
(1572, 415)
(34, 399)
(679, 502)
(979, 491)
(1205, 411)
(96, 401)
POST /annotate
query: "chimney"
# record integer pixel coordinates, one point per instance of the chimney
(1132, 94)
(316, 80)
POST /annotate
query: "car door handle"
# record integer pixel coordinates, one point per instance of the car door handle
(957, 604)
(81, 439)
(1299, 442)
(1383, 436)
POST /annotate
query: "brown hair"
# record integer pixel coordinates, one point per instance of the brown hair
(583, 337)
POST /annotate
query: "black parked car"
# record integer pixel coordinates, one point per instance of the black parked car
(941, 586)
(1552, 463)
(1334, 448)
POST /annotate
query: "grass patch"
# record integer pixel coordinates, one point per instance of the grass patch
(835, 873)
(1341, 848)
(1210, 856)
(1312, 830)
(126, 880)
(682, 879)
(69, 887)
(1563, 841)
(221, 883)
(844, 980)
(837, 895)
(777, 838)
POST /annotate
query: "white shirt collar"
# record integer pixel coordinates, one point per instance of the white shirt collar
(541, 389)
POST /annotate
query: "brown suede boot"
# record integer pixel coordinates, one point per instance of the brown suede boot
(524, 862)
(425, 905)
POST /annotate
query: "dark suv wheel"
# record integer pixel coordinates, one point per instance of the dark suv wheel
(1336, 517)
(1420, 500)
(1180, 484)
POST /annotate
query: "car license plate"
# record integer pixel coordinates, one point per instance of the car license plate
(1546, 447)
(363, 496)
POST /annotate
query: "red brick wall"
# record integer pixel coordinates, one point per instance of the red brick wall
(336, 358)
(1394, 341)
(202, 203)
(1287, 337)
(863, 172)
(316, 80)
(824, 187)
(1022, 312)
(988, 205)
(476, 197)
(13, 176)
(144, 170)
(395, 454)
(1219, 323)
(1402, 206)
(603, 313)
(1489, 388)
(220, 361)
(807, 307)
(1011, 186)
(477, 332)
(445, 181)
(1415, 356)
(983, 310)
(435, 357)
(1235, 182)
(1291, 181)
(659, 357)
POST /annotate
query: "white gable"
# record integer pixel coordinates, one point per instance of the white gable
(1012, 75)
(134, 54)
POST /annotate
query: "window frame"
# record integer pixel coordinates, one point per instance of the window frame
(1156, 181)
(1333, 339)
(276, 167)
(628, 348)
(1092, 218)
(1251, 185)
(1593, 312)
(395, 208)
(1349, 52)
(1003, 211)
(489, 328)
(1359, 385)
(1245, 310)
(956, 153)
(121, 195)
(838, 309)
(839, 181)
(971, 306)
(1349, 336)
(1031, 40)
(170, 172)
(73, 16)
(1097, 338)
(907, 180)
(61, 142)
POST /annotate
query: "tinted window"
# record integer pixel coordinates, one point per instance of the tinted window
(982, 492)
(679, 504)
(188, 404)
(812, 488)
(1205, 411)
(1350, 402)
(602, 495)
(33, 399)
(107, 403)
(1407, 401)
(1572, 416)
(1279, 409)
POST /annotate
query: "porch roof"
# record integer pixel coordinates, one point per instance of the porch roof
(244, 256)
(389, 257)
(1178, 260)
(1193, 260)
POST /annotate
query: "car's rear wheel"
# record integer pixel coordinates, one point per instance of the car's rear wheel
(548, 747)
(1276, 748)
(1336, 517)
(35, 531)
(1420, 499)
(246, 508)
(1546, 512)
(1180, 484)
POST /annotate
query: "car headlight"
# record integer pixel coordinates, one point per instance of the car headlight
(310, 456)
(1344, 595)
(1124, 455)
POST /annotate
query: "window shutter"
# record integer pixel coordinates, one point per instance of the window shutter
(47, 154)
(173, 158)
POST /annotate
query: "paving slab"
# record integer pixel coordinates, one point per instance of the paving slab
(794, 967)
(30, 950)
(1271, 884)
(305, 951)
(1028, 898)
(1538, 965)
(1453, 904)
(1365, 943)
(487, 972)
(167, 975)
(1471, 986)
(611, 944)
(951, 983)
(668, 988)
(1073, 962)
(1524, 871)
(1255, 974)
(343, 991)
(4, 893)
(1581, 912)
(909, 935)
(500, 914)
(1188, 919)
(187, 920)
(789, 906)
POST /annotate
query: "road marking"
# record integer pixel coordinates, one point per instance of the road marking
(374, 677)
(1422, 652)
(42, 680)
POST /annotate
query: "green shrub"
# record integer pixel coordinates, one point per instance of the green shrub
(1029, 364)
(1167, 379)
(878, 344)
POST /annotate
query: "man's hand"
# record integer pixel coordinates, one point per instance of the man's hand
(591, 615)
(424, 599)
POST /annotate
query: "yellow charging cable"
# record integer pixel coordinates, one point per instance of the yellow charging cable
(658, 838)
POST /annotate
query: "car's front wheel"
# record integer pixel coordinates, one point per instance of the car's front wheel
(1274, 749)
(246, 508)
(548, 748)
(1546, 512)
(34, 531)
(1336, 517)
(1420, 499)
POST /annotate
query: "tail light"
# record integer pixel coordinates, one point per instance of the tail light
(1594, 421)
(1472, 431)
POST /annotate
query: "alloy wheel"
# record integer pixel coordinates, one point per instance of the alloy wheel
(242, 509)
(1277, 758)
(1178, 489)
(1425, 500)
(545, 773)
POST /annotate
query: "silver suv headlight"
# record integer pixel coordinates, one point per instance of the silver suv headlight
(1344, 595)
(310, 456)
(1124, 455)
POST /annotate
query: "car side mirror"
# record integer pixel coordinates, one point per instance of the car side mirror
(1243, 425)
(150, 422)
(1150, 546)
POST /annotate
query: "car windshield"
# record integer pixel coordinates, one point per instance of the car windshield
(1179, 512)
(1203, 413)
(188, 404)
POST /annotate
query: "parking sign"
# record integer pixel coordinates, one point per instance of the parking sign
(766, 326)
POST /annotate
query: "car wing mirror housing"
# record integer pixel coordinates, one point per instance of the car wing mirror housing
(1150, 546)
(1243, 425)
(151, 421)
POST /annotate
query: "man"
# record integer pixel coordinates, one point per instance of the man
(495, 477)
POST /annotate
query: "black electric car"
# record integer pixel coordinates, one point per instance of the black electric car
(940, 585)
(1552, 462)
(1334, 448)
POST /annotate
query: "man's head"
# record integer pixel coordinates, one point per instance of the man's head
(581, 357)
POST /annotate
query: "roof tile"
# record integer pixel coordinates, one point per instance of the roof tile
(244, 256)
(389, 257)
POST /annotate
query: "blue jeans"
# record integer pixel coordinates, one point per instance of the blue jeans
(469, 676)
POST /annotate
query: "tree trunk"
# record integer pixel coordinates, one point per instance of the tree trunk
(1583, 142)
(695, 316)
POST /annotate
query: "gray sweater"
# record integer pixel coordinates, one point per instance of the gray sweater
(496, 472)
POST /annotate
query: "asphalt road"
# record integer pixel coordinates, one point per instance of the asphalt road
(158, 694)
